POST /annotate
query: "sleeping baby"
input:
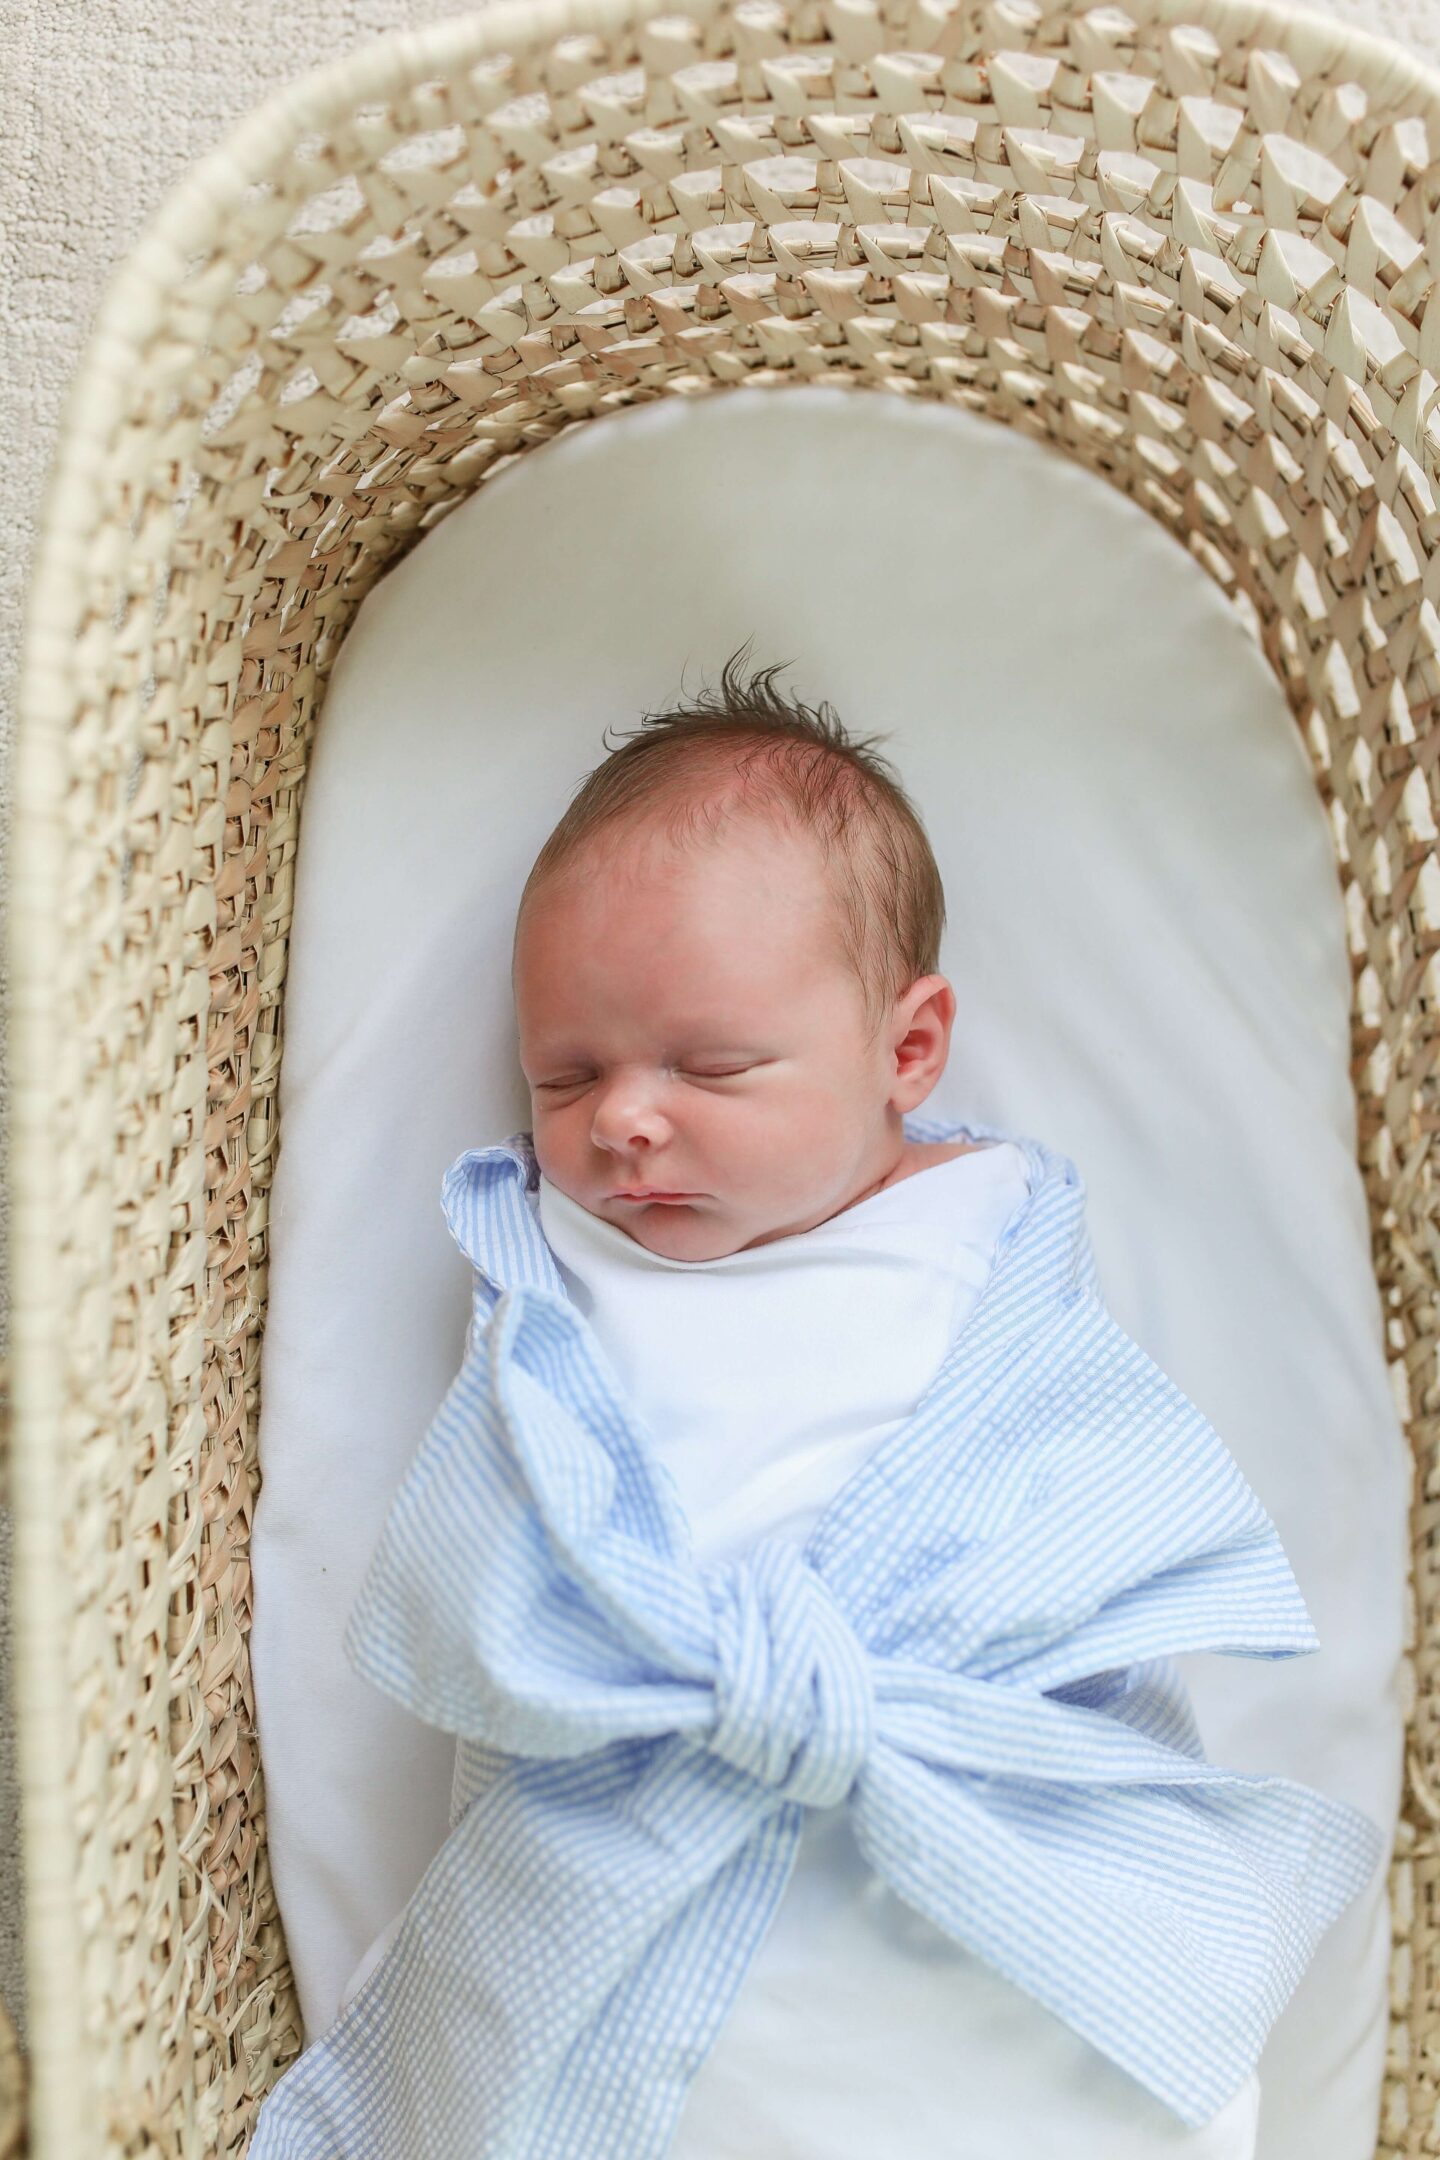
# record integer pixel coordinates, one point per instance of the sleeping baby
(800, 1556)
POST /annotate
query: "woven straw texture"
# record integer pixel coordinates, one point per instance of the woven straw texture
(1193, 246)
(86, 154)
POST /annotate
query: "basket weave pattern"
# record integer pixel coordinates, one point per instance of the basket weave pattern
(1196, 248)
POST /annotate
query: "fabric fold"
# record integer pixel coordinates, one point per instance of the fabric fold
(973, 1650)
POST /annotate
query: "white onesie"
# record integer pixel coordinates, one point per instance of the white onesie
(767, 1377)
(764, 1379)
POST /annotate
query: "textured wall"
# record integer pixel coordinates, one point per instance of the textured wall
(102, 107)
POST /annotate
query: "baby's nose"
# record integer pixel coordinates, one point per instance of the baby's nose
(627, 1112)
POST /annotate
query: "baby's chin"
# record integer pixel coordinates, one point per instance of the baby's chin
(687, 1230)
(677, 1230)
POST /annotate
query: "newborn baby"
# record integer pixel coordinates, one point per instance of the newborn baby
(797, 1556)
(723, 1033)
(720, 1063)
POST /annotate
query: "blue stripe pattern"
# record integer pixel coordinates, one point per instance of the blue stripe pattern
(973, 1649)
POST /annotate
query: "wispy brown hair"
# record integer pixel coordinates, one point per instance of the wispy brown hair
(746, 749)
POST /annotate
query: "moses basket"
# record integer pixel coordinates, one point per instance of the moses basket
(1195, 246)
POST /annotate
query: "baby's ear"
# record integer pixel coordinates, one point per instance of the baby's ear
(924, 1018)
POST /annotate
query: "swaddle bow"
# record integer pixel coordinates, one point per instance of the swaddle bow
(972, 1650)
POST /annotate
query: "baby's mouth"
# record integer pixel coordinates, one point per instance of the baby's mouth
(648, 1196)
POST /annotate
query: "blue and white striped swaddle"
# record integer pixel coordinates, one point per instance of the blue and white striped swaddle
(973, 1649)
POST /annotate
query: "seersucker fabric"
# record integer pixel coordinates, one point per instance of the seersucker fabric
(971, 1650)
(765, 1376)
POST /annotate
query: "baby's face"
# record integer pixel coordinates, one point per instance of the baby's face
(687, 1023)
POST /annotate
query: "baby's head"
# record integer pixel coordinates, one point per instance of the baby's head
(725, 975)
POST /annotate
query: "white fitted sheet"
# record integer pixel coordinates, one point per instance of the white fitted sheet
(1147, 946)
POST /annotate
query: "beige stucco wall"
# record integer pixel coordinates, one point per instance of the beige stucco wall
(101, 109)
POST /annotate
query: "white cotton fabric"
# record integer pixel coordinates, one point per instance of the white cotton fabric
(766, 1377)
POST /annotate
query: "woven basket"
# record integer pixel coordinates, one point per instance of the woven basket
(1195, 246)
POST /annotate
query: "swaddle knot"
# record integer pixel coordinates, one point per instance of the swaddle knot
(794, 1696)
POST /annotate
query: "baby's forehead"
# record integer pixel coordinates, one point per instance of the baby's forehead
(728, 874)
